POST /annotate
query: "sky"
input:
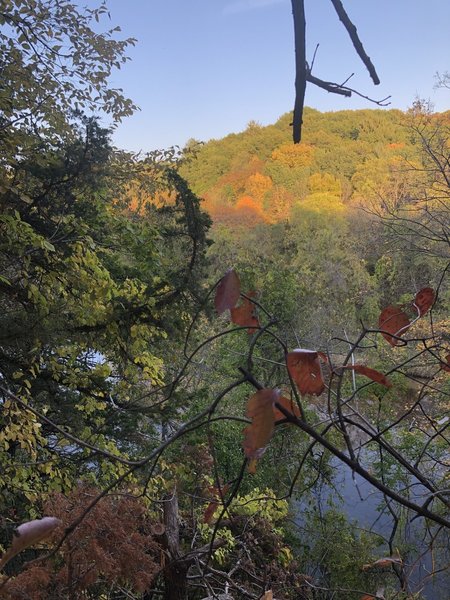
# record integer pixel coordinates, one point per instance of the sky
(205, 68)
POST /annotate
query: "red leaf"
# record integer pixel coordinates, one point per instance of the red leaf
(424, 300)
(371, 374)
(245, 314)
(288, 405)
(228, 291)
(393, 321)
(258, 434)
(446, 366)
(304, 368)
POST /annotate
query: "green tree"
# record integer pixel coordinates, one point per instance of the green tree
(55, 67)
(91, 285)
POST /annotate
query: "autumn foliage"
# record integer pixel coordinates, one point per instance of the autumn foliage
(114, 544)
(394, 320)
(267, 407)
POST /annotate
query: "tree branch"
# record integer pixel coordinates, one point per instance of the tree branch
(298, 11)
(357, 44)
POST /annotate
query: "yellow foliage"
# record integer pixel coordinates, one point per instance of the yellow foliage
(324, 182)
(257, 186)
(294, 155)
(322, 203)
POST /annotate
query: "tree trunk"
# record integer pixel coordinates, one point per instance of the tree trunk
(175, 570)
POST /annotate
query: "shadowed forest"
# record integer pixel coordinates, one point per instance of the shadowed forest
(224, 369)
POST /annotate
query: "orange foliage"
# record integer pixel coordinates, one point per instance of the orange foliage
(280, 204)
(247, 213)
(245, 202)
(237, 177)
(136, 198)
(257, 186)
(250, 211)
(112, 544)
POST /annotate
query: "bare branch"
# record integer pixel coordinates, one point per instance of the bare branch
(298, 11)
(353, 33)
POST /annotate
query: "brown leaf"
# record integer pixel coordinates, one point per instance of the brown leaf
(228, 292)
(371, 374)
(252, 463)
(258, 434)
(393, 321)
(245, 314)
(209, 512)
(446, 366)
(323, 357)
(304, 368)
(424, 300)
(267, 595)
(215, 502)
(381, 563)
(288, 405)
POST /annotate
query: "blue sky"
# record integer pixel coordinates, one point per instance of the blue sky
(204, 68)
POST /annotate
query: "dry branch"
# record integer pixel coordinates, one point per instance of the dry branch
(357, 44)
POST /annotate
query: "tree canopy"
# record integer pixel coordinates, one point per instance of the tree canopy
(166, 399)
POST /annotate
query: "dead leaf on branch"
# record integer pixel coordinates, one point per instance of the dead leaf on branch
(288, 405)
(304, 368)
(372, 374)
(245, 314)
(228, 292)
(393, 321)
(258, 434)
(424, 300)
(382, 563)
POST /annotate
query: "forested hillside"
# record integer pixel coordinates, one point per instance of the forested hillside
(334, 144)
(304, 220)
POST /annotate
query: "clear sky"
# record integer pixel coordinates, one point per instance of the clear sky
(204, 68)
